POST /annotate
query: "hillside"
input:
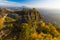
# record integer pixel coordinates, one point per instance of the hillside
(28, 24)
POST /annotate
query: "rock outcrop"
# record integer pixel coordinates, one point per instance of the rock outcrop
(3, 13)
(23, 15)
(28, 14)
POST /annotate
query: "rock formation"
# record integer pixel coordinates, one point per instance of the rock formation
(3, 13)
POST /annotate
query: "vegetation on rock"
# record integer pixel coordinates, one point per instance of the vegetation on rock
(30, 26)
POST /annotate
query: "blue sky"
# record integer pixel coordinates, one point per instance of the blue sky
(25, 1)
(32, 3)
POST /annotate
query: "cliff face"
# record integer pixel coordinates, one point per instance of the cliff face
(23, 16)
(28, 15)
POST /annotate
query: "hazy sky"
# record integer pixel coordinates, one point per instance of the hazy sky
(54, 4)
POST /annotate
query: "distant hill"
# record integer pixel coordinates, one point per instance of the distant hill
(51, 15)
(14, 8)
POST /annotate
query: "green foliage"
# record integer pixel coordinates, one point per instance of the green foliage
(25, 31)
(8, 19)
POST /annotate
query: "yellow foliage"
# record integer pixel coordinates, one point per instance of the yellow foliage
(55, 39)
(42, 24)
(34, 35)
(47, 27)
(41, 35)
(1, 23)
(52, 27)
